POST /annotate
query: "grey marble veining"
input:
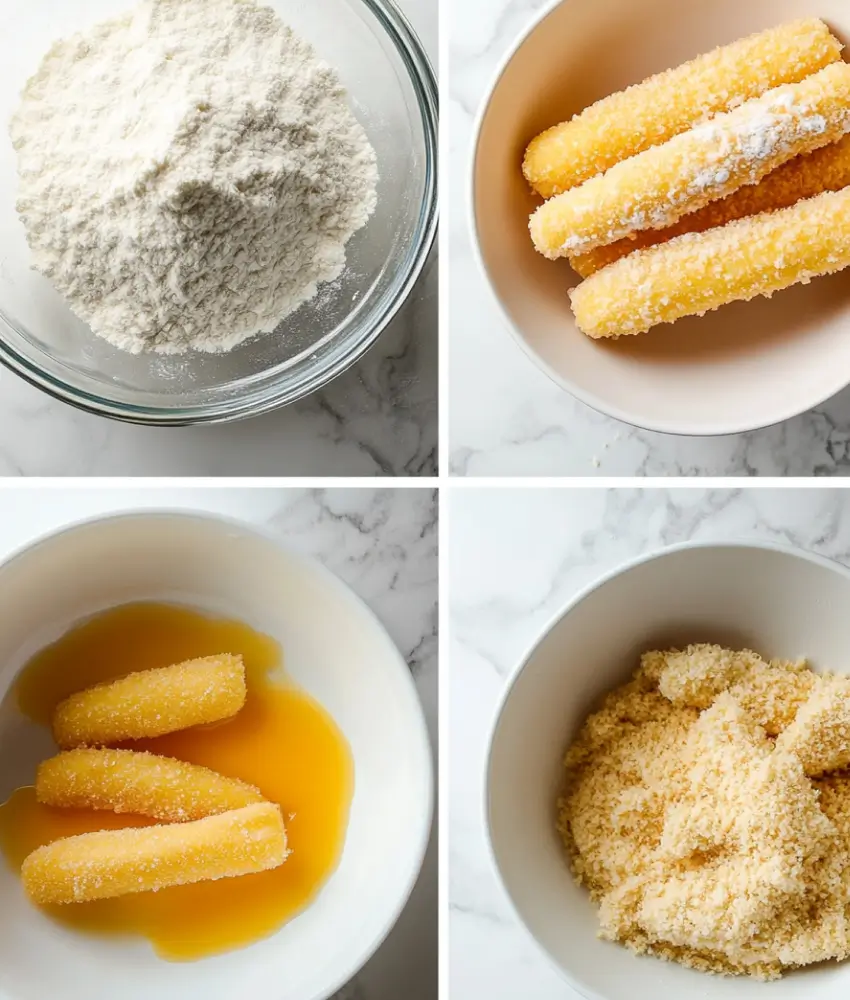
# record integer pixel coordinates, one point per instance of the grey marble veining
(377, 419)
(383, 544)
(507, 418)
(505, 587)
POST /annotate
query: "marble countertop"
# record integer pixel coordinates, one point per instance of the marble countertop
(508, 418)
(505, 587)
(378, 419)
(383, 544)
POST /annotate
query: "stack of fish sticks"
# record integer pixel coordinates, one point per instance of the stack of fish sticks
(718, 181)
(212, 826)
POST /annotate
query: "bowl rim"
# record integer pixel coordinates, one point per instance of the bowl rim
(418, 839)
(590, 399)
(252, 401)
(656, 554)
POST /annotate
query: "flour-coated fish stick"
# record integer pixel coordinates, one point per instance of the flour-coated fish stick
(665, 105)
(142, 859)
(152, 702)
(826, 169)
(656, 188)
(127, 781)
(698, 272)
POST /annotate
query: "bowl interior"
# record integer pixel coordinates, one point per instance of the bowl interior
(352, 668)
(776, 602)
(43, 332)
(744, 366)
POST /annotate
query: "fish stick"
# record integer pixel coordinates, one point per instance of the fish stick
(144, 859)
(656, 188)
(698, 272)
(665, 105)
(127, 781)
(826, 169)
(152, 702)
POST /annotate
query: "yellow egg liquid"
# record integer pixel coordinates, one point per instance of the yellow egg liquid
(282, 741)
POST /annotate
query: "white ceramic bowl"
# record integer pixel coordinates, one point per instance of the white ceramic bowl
(777, 601)
(334, 648)
(747, 365)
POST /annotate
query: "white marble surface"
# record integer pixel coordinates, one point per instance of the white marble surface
(505, 585)
(506, 417)
(378, 419)
(383, 544)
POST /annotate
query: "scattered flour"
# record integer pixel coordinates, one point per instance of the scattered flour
(658, 187)
(776, 125)
(189, 174)
(698, 813)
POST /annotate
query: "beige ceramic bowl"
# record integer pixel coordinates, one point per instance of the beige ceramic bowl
(747, 365)
(777, 600)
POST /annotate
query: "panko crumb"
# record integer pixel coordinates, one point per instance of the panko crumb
(697, 812)
(772, 691)
(820, 733)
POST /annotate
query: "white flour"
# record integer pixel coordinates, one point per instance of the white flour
(189, 173)
(775, 124)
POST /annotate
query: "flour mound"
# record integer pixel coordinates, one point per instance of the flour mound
(189, 174)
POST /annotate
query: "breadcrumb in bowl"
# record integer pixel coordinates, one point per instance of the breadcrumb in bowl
(760, 809)
(703, 840)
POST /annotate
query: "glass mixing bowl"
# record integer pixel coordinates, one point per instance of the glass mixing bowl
(393, 93)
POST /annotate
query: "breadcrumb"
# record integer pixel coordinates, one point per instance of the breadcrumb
(820, 734)
(703, 839)
(771, 691)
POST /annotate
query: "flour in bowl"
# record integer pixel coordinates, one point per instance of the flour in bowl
(190, 173)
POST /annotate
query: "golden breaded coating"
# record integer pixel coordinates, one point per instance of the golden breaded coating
(152, 702)
(826, 169)
(669, 103)
(656, 188)
(699, 272)
(143, 859)
(820, 734)
(125, 781)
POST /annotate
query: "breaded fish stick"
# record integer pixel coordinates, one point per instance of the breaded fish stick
(152, 702)
(143, 859)
(698, 272)
(656, 188)
(827, 169)
(146, 784)
(665, 105)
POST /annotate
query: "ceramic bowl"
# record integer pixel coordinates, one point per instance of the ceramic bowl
(334, 648)
(745, 366)
(777, 601)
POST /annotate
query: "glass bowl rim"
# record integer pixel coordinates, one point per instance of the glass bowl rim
(271, 396)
